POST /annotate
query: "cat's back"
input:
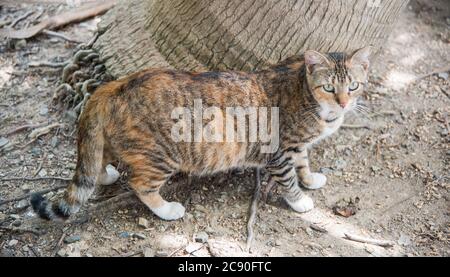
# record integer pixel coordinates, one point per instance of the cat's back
(159, 85)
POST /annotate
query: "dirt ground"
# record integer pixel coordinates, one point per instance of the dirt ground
(392, 164)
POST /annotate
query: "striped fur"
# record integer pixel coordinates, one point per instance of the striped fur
(130, 120)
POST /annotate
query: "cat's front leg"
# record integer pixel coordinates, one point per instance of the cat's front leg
(310, 180)
(282, 172)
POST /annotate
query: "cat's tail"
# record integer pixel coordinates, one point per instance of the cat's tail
(90, 155)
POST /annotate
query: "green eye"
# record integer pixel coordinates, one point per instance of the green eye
(353, 86)
(328, 88)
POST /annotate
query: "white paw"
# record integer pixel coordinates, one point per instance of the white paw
(304, 204)
(169, 211)
(314, 181)
(110, 177)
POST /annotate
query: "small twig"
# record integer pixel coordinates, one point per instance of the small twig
(40, 132)
(436, 71)
(101, 205)
(38, 15)
(447, 126)
(23, 127)
(21, 230)
(74, 15)
(383, 243)
(355, 126)
(46, 63)
(178, 249)
(40, 165)
(381, 113)
(85, 215)
(445, 92)
(267, 190)
(59, 35)
(36, 254)
(28, 195)
(253, 209)
(20, 18)
(58, 244)
(131, 254)
(34, 179)
(44, 130)
(378, 151)
(318, 228)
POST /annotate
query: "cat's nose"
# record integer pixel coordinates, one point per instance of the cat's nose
(343, 104)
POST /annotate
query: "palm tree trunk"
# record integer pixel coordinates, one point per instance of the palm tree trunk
(236, 34)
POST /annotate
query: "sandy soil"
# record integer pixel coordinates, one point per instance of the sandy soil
(394, 165)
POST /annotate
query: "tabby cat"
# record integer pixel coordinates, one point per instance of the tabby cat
(130, 120)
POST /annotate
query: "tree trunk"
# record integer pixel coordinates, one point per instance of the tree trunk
(236, 34)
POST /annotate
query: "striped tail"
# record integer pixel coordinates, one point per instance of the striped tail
(90, 155)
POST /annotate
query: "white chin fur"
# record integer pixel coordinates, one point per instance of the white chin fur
(304, 204)
(111, 176)
(169, 211)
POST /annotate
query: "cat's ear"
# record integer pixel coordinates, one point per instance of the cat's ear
(315, 59)
(361, 57)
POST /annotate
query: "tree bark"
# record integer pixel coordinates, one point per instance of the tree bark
(236, 34)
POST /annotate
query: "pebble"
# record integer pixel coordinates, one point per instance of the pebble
(142, 222)
(171, 242)
(17, 223)
(72, 239)
(139, 236)
(340, 164)
(14, 216)
(209, 230)
(22, 204)
(404, 240)
(201, 237)
(42, 172)
(61, 253)
(161, 253)
(192, 247)
(25, 187)
(6, 253)
(325, 170)
(54, 142)
(3, 141)
(443, 75)
(124, 235)
(148, 252)
(36, 151)
(19, 44)
(43, 110)
(12, 242)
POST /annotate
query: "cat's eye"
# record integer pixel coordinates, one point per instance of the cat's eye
(353, 86)
(328, 88)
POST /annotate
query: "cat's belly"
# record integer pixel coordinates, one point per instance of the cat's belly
(220, 157)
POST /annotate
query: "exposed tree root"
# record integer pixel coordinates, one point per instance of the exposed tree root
(81, 75)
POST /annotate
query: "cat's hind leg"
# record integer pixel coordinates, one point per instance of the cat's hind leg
(109, 174)
(147, 179)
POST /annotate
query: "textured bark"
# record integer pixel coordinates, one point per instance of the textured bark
(236, 34)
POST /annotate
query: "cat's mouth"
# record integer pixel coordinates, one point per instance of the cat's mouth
(331, 119)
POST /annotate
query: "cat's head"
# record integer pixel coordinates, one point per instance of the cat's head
(336, 80)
